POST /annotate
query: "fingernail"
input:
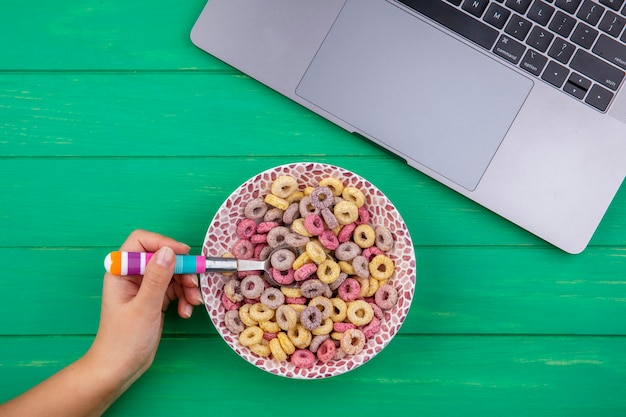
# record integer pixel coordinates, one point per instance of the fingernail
(186, 245)
(201, 298)
(195, 281)
(165, 257)
(188, 310)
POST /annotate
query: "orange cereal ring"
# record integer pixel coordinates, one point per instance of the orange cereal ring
(352, 341)
(260, 312)
(340, 310)
(316, 252)
(284, 186)
(381, 267)
(354, 195)
(364, 236)
(346, 212)
(328, 271)
(285, 343)
(299, 336)
(286, 317)
(360, 312)
(251, 336)
(276, 201)
(335, 185)
(277, 350)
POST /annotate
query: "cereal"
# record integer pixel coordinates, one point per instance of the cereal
(381, 267)
(228, 304)
(272, 298)
(295, 240)
(277, 350)
(302, 358)
(251, 336)
(233, 322)
(326, 351)
(292, 213)
(315, 252)
(260, 312)
(328, 240)
(243, 249)
(255, 209)
(244, 315)
(349, 290)
(334, 184)
(270, 328)
(360, 264)
(346, 212)
(384, 238)
(261, 349)
(346, 251)
(360, 313)
(352, 341)
(276, 201)
(252, 286)
(317, 341)
(286, 317)
(314, 224)
(329, 218)
(246, 228)
(274, 215)
(232, 289)
(286, 343)
(284, 186)
(323, 304)
(299, 336)
(386, 297)
(364, 236)
(312, 288)
(345, 234)
(282, 277)
(305, 272)
(340, 310)
(353, 195)
(306, 207)
(321, 197)
(328, 271)
(282, 259)
(311, 317)
(325, 328)
(298, 227)
(276, 236)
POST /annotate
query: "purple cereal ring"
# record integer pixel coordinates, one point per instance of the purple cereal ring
(360, 264)
(364, 216)
(345, 234)
(296, 240)
(243, 249)
(265, 227)
(265, 252)
(336, 283)
(272, 298)
(273, 215)
(258, 238)
(306, 207)
(276, 236)
(304, 272)
(326, 351)
(255, 209)
(329, 218)
(386, 297)
(282, 259)
(303, 358)
(346, 251)
(328, 240)
(322, 197)
(229, 305)
(314, 224)
(233, 322)
(312, 288)
(311, 318)
(292, 213)
(282, 277)
(317, 341)
(372, 251)
(246, 228)
(341, 327)
(252, 286)
(384, 238)
(349, 290)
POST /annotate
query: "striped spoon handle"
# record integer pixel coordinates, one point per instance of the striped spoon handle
(134, 263)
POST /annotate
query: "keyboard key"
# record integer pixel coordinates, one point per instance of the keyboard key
(540, 38)
(597, 70)
(561, 50)
(475, 7)
(613, 4)
(569, 6)
(590, 12)
(584, 35)
(580, 81)
(612, 24)
(533, 62)
(509, 49)
(496, 15)
(520, 6)
(540, 12)
(562, 24)
(611, 50)
(455, 2)
(456, 21)
(574, 90)
(555, 74)
(599, 98)
(518, 27)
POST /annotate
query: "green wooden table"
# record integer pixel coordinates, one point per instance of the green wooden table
(111, 120)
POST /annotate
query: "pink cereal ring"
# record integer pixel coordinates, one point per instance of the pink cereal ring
(282, 277)
(269, 336)
(364, 216)
(328, 240)
(243, 249)
(246, 228)
(297, 300)
(341, 327)
(326, 351)
(378, 312)
(258, 248)
(258, 238)
(370, 329)
(304, 272)
(349, 290)
(346, 232)
(314, 224)
(303, 358)
(372, 251)
(229, 305)
(265, 227)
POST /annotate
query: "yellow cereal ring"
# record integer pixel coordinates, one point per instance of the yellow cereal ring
(325, 328)
(291, 292)
(316, 252)
(335, 185)
(381, 267)
(353, 195)
(364, 284)
(336, 335)
(346, 267)
(295, 197)
(298, 227)
(251, 336)
(328, 271)
(286, 317)
(261, 349)
(364, 236)
(308, 190)
(285, 343)
(260, 312)
(284, 186)
(372, 287)
(360, 312)
(346, 212)
(340, 310)
(323, 304)
(244, 315)
(277, 350)
(269, 326)
(277, 202)
(304, 258)
(299, 336)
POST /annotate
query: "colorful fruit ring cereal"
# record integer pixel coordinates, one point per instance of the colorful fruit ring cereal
(260, 312)
(317, 341)
(284, 186)
(323, 304)
(232, 289)
(381, 267)
(228, 304)
(316, 252)
(257, 239)
(298, 227)
(262, 348)
(251, 336)
(322, 197)
(328, 239)
(314, 224)
(364, 283)
(345, 234)
(328, 271)
(300, 336)
(255, 209)
(266, 226)
(340, 310)
(349, 290)
(311, 318)
(303, 358)
(276, 201)
(346, 212)
(233, 322)
(342, 327)
(329, 218)
(243, 249)
(304, 272)
(282, 259)
(360, 313)
(372, 251)
(282, 277)
(274, 215)
(295, 197)
(360, 264)
(286, 343)
(286, 317)
(244, 315)
(374, 284)
(277, 350)
(325, 328)
(335, 284)
(292, 213)
(364, 216)
(347, 251)
(372, 328)
(291, 292)
(384, 238)
(335, 185)
(353, 341)
(326, 351)
(306, 207)
(353, 195)
(252, 286)
(272, 298)
(364, 236)
(270, 328)
(276, 236)
(386, 297)
(296, 240)
(246, 228)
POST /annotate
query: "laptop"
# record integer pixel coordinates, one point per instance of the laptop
(519, 105)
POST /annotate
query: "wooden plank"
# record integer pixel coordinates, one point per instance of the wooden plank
(427, 375)
(101, 35)
(459, 291)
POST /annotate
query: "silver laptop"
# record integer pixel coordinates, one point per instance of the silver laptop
(517, 104)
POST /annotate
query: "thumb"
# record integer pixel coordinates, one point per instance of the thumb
(157, 277)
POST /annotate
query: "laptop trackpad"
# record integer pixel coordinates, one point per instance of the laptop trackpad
(416, 90)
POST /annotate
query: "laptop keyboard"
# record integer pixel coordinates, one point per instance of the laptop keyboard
(577, 46)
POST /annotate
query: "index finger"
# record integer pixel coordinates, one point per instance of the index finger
(144, 241)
